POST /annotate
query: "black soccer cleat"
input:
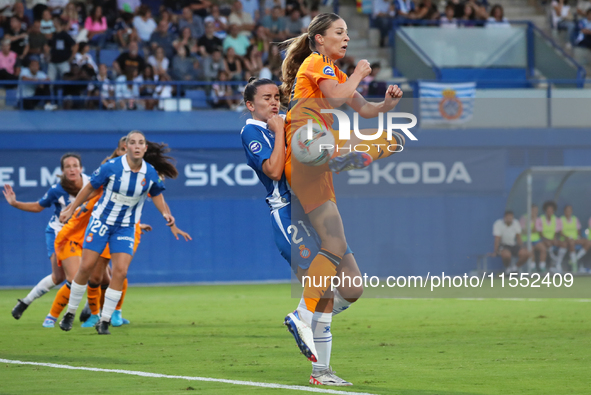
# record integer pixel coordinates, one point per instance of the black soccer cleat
(102, 327)
(67, 322)
(85, 314)
(19, 309)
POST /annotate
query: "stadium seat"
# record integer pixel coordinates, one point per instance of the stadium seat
(108, 56)
(11, 98)
(198, 98)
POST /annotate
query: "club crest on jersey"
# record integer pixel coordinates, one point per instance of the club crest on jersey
(89, 238)
(144, 182)
(328, 71)
(255, 146)
(305, 252)
(96, 172)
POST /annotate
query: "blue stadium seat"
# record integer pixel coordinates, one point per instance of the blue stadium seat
(11, 99)
(108, 56)
(198, 98)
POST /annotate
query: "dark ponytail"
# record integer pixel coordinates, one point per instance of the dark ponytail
(156, 156)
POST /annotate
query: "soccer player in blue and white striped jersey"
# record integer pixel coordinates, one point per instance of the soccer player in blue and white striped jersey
(127, 181)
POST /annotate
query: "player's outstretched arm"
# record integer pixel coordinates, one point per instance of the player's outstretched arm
(32, 207)
(273, 167)
(163, 208)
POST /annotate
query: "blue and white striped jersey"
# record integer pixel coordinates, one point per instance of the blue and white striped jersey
(125, 191)
(58, 197)
(258, 143)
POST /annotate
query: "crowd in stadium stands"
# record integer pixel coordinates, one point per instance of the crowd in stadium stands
(574, 20)
(551, 236)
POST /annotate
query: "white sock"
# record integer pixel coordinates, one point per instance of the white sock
(111, 299)
(573, 257)
(543, 265)
(581, 253)
(76, 294)
(40, 289)
(561, 254)
(322, 339)
(340, 304)
(304, 313)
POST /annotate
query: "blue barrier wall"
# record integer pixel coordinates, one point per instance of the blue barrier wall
(430, 208)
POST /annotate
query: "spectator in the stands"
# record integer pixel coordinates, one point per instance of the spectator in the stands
(37, 40)
(251, 7)
(275, 24)
(275, 61)
(306, 19)
(96, 26)
(47, 25)
(83, 57)
(427, 10)
(159, 61)
(253, 62)
(193, 22)
(293, 24)
(582, 7)
(57, 6)
(213, 64)
(222, 95)
(404, 9)
(32, 73)
(148, 91)
(447, 20)
(199, 7)
(584, 37)
(19, 39)
(563, 19)
(104, 91)
(171, 21)
(261, 41)
(70, 15)
(62, 49)
(469, 18)
(233, 65)
(72, 92)
(186, 41)
(182, 66)
(508, 243)
(242, 19)
(127, 93)
(144, 23)
(128, 6)
(161, 38)
(382, 12)
(129, 59)
(124, 30)
(236, 40)
(497, 17)
(220, 23)
(9, 69)
(209, 42)
(18, 10)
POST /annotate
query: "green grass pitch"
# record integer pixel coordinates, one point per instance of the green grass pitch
(383, 346)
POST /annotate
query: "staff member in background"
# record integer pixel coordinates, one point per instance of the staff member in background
(538, 247)
(550, 226)
(508, 243)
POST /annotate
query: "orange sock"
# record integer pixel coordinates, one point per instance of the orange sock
(60, 301)
(123, 291)
(94, 296)
(103, 290)
(322, 269)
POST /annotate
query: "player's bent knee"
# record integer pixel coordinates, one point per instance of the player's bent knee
(351, 294)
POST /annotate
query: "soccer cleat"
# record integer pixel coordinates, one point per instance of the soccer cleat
(303, 335)
(350, 161)
(102, 328)
(67, 322)
(85, 314)
(49, 322)
(19, 309)
(328, 377)
(117, 319)
(91, 321)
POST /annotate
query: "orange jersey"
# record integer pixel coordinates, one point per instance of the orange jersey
(312, 185)
(75, 228)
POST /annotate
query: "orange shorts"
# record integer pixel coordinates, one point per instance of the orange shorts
(67, 249)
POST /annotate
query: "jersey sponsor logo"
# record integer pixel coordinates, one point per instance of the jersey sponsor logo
(89, 238)
(97, 172)
(255, 146)
(328, 71)
(305, 252)
(125, 238)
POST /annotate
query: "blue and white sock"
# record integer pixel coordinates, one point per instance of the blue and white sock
(40, 289)
(321, 323)
(111, 299)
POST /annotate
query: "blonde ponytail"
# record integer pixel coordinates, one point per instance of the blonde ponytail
(299, 48)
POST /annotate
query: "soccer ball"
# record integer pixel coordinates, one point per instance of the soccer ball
(309, 152)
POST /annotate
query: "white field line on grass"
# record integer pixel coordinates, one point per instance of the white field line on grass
(190, 378)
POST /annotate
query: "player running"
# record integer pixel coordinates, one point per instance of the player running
(313, 82)
(59, 195)
(127, 181)
(264, 143)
